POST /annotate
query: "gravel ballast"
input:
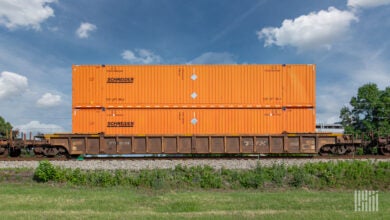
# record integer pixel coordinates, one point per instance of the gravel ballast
(140, 164)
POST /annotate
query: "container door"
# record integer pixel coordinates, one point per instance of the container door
(273, 86)
(299, 120)
(87, 86)
(299, 86)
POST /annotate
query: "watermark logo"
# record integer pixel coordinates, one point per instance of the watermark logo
(366, 201)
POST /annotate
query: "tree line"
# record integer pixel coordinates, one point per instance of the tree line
(5, 127)
(369, 111)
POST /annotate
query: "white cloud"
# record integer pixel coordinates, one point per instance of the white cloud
(330, 99)
(12, 84)
(23, 108)
(36, 126)
(142, 56)
(49, 100)
(84, 29)
(371, 74)
(359, 66)
(312, 31)
(367, 3)
(367, 65)
(27, 13)
(214, 58)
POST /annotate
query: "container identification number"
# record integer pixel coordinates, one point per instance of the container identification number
(120, 124)
(120, 80)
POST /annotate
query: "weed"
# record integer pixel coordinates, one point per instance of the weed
(45, 172)
(298, 176)
(278, 173)
(359, 151)
(344, 174)
(209, 178)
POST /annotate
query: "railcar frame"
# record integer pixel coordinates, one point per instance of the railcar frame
(97, 144)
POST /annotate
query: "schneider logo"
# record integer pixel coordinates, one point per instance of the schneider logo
(120, 80)
(120, 124)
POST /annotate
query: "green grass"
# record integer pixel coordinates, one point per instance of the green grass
(46, 201)
(16, 175)
(310, 191)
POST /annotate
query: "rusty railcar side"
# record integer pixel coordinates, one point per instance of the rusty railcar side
(94, 144)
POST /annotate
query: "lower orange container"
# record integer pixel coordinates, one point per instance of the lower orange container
(193, 121)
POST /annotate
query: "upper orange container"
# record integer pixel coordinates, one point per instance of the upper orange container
(193, 121)
(193, 86)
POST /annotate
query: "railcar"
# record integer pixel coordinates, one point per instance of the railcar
(69, 145)
(192, 109)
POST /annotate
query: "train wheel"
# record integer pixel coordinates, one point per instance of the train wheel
(4, 152)
(15, 152)
(323, 153)
(64, 155)
(50, 151)
(325, 150)
(385, 150)
(341, 150)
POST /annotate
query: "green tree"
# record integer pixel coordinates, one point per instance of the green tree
(369, 112)
(4, 127)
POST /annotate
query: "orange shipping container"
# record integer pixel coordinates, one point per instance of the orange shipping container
(193, 121)
(193, 86)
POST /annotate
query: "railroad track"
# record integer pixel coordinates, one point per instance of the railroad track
(33, 158)
(251, 157)
(242, 157)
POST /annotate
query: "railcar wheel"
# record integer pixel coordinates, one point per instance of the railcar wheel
(341, 150)
(323, 153)
(385, 150)
(325, 150)
(4, 152)
(15, 152)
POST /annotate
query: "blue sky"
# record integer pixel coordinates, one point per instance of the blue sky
(40, 40)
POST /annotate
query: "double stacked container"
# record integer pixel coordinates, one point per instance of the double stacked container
(193, 99)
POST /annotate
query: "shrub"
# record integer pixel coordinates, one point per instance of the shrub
(323, 175)
(278, 173)
(209, 178)
(45, 172)
(253, 178)
(298, 176)
(250, 180)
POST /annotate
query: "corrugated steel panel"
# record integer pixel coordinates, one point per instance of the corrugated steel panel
(77, 144)
(193, 121)
(193, 86)
(87, 87)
